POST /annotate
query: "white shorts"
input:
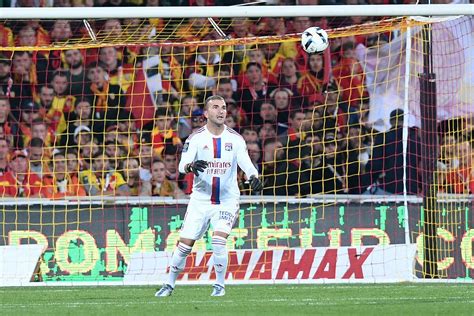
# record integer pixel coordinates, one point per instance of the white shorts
(199, 214)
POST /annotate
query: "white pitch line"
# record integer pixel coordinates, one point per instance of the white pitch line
(304, 301)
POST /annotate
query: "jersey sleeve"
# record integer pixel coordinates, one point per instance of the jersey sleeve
(244, 162)
(188, 154)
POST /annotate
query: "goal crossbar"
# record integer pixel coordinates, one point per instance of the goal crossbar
(242, 11)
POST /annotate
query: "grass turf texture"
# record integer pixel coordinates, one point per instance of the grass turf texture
(380, 299)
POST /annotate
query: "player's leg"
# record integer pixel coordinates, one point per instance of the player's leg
(194, 226)
(222, 220)
(221, 258)
(178, 261)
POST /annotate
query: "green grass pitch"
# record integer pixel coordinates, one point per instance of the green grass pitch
(371, 299)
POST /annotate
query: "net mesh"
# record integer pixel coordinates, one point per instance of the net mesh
(100, 110)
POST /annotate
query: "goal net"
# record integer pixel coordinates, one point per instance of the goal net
(364, 150)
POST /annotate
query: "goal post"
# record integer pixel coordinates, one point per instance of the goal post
(237, 11)
(364, 151)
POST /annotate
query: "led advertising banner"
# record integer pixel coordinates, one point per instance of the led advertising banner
(96, 242)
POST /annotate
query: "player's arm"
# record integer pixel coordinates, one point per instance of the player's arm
(244, 162)
(187, 163)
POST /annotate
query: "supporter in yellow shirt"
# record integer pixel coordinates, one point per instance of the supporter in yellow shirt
(100, 180)
(62, 104)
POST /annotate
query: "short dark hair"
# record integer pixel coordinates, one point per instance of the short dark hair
(295, 111)
(248, 128)
(71, 151)
(223, 67)
(271, 140)
(223, 81)
(267, 123)
(20, 53)
(102, 48)
(39, 121)
(187, 96)
(100, 153)
(348, 46)
(60, 73)
(170, 150)
(164, 111)
(254, 143)
(81, 99)
(47, 86)
(36, 142)
(252, 63)
(95, 64)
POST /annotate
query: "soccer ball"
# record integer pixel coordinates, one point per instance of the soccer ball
(314, 40)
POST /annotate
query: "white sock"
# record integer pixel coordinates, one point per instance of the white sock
(178, 260)
(220, 258)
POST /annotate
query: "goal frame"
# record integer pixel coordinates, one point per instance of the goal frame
(237, 11)
(257, 11)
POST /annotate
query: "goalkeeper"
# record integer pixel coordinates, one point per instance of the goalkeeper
(212, 153)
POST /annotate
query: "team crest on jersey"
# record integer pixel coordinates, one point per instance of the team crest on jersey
(185, 147)
(205, 147)
(228, 146)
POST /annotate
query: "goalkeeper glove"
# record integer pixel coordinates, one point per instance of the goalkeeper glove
(255, 184)
(196, 167)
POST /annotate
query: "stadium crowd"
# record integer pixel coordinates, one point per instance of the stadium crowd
(112, 120)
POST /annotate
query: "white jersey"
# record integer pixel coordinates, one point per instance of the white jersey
(223, 153)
